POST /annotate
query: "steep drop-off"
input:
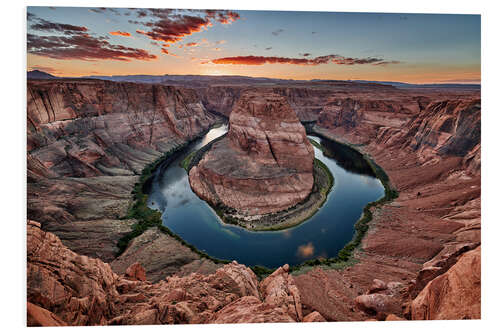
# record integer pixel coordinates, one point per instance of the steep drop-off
(65, 288)
(88, 141)
(433, 159)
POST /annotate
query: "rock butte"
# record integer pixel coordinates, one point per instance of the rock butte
(88, 141)
(264, 165)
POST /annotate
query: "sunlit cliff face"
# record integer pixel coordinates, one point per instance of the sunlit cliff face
(418, 48)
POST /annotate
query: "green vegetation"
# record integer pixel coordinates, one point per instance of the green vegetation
(187, 161)
(261, 271)
(149, 218)
(317, 144)
(324, 190)
(344, 258)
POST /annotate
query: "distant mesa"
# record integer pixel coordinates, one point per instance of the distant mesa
(263, 165)
(36, 74)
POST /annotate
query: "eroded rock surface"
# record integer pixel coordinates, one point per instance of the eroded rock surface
(264, 165)
(65, 288)
(455, 294)
(88, 141)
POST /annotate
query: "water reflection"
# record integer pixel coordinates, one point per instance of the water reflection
(305, 251)
(349, 159)
(323, 235)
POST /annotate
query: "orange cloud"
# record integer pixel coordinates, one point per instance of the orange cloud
(120, 33)
(332, 58)
(83, 47)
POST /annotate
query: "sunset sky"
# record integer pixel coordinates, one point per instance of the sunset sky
(414, 48)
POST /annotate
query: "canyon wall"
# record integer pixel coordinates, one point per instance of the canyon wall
(88, 141)
(428, 239)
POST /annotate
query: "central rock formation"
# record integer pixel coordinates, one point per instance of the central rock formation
(263, 165)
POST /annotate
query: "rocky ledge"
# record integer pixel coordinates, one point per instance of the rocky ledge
(65, 288)
(265, 163)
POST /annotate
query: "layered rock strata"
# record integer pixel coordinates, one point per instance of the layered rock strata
(264, 165)
(88, 142)
(428, 239)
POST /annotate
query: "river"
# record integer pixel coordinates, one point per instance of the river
(322, 235)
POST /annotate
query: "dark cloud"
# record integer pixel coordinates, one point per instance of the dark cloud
(169, 26)
(104, 10)
(141, 13)
(30, 16)
(171, 31)
(98, 10)
(332, 58)
(151, 12)
(47, 26)
(268, 48)
(313, 32)
(83, 47)
(222, 16)
(192, 44)
(384, 63)
(77, 43)
(120, 33)
(277, 32)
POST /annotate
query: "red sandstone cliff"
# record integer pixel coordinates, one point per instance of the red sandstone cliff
(89, 139)
(423, 239)
(65, 288)
(264, 165)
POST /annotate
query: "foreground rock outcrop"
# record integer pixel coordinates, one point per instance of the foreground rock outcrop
(456, 294)
(65, 288)
(264, 165)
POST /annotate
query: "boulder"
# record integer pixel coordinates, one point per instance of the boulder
(453, 295)
(136, 272)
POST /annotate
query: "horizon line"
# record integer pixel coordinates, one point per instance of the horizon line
(264, 77)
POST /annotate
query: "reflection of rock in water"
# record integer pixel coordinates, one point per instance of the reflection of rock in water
(347, 158)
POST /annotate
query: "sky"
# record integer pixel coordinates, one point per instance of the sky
(413, 48)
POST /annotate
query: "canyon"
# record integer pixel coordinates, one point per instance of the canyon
(89, 140)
